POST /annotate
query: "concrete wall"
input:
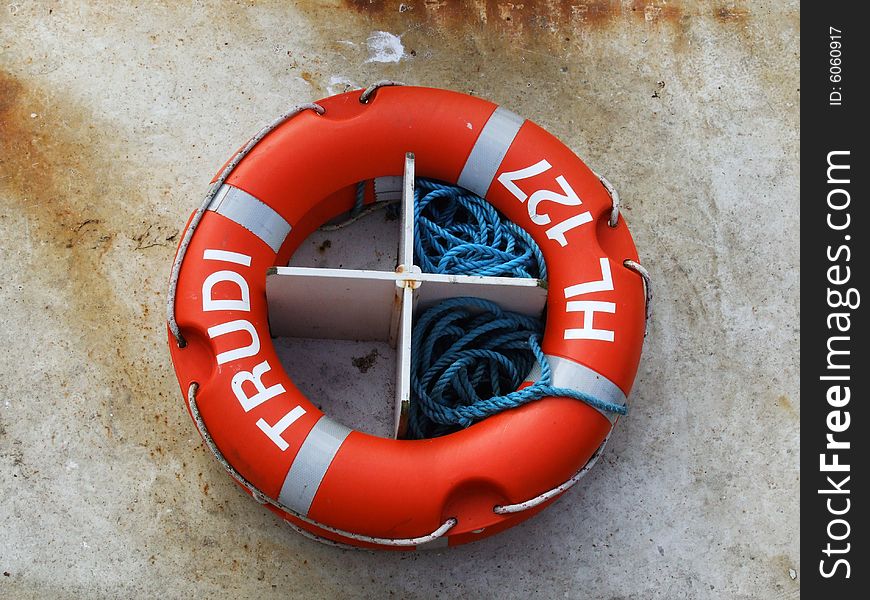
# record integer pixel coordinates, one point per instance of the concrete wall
(112, 120)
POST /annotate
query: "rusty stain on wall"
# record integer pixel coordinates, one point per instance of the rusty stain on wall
(533, 32)
(731, 14)
(535, 17)
(539, 21)
(80, 213)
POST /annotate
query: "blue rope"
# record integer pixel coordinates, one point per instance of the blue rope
(467, 353)
(358, 200)
(460, 233)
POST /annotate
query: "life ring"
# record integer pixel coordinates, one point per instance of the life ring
(346, 486)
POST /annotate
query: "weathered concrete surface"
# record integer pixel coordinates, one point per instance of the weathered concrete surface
(112, 120)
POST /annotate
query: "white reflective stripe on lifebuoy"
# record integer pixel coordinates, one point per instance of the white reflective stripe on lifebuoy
(388, 188)
(251, 213)
(573, 375)
(489, 150)
(311, 463)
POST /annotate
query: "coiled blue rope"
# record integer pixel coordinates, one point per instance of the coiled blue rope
(460, 233)
(468, 355)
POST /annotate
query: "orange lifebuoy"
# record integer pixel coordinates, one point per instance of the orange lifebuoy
(346, 486)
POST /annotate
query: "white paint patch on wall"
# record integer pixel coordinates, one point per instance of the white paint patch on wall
(385, 47)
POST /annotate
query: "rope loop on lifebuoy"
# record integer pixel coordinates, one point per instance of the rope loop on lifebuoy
(366, 96)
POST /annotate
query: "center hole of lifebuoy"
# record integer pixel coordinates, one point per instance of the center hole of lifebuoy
(476, 326)
(350, 379)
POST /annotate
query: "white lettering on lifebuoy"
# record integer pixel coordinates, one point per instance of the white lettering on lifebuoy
(227, 256)
(236, 353)
(590, 307)
(262, 393)
(274, 431)
(568, 197)
(208, 301)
